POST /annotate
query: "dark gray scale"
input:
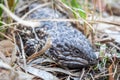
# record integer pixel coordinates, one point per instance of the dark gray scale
(69, 46)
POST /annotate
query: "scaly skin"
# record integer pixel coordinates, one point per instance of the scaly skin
(69, 47)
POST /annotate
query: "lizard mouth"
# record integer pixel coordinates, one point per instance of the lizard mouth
(72, 61)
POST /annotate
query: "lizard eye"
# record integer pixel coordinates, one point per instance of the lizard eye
(76, 51)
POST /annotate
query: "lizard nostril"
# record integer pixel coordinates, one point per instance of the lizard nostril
(92, 62)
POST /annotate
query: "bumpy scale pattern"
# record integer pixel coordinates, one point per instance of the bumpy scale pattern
(69, 46)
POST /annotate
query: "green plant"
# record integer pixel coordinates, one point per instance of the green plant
(11, 5)
(1, 11)
(76, 7)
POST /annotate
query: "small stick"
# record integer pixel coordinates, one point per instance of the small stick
(6, 36)
(39, 6)
(23, 52)
(19, 20)
(47, 46)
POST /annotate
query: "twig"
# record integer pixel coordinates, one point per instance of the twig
(92, 76)
(13, 57)
(6, 3)
(39, 6)
(83, 72)
(105, 40)
(19, 20)
(3, 22)
(115, 71)
(47, 46)
(23, 52)
(118, 77)
(110, 71)
(6, 36)
(58, 70)
(106, 22)
(11, 24)
(114, 45)
(60, 2)
(98, 76)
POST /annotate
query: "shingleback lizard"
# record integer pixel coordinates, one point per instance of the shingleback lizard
(70, 47)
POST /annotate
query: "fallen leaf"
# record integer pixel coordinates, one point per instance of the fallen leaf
(24, 76)
(110, 71)
(6, 46)
(41, 73)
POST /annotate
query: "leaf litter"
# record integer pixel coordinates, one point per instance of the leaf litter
(44, 68)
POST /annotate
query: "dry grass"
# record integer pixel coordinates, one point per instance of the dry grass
(17, 68)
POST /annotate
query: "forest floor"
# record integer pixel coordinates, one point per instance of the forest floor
(101, 26)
